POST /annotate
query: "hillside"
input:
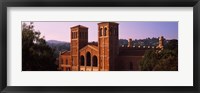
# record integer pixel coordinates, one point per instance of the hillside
(58, 46)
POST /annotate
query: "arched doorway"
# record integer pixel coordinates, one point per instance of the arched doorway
(95, 61)
(82, 61)
(88, 59)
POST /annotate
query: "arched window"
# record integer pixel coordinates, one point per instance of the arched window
(100, 31)
(88, 59)
(82, 61)
(73, 35)
(105, 31)
(76, 34)
(95, 61)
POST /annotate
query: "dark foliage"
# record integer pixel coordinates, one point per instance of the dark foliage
(161, 60)
(36, 54)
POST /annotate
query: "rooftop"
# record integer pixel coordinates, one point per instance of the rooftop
(93, 43)
(79, 26)
(108, 22)
(66, 52)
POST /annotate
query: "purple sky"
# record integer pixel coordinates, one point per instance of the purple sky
(135, 30)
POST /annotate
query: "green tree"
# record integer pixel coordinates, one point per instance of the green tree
(36, 54)
(161, 60)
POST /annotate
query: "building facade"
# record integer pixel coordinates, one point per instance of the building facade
(106, 55)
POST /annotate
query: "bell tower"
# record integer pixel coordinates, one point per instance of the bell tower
(79, 39)
(108, 45)
(161, 42)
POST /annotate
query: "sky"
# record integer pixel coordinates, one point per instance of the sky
(134, 29)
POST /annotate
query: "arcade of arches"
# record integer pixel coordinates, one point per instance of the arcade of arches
(87, 61)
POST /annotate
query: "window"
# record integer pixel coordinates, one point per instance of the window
(75, 34)
(82, 61)
(101, 32)
(88, 59)
(105, 31)
(95, 61)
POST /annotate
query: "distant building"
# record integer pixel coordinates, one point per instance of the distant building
(130, 43)
(106, 55)
(161, 43)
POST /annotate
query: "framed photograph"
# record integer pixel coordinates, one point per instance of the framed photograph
(99, 46)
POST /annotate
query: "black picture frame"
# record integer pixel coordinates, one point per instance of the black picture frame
(100, 3)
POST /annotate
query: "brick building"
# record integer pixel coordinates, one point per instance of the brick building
(106, 55)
